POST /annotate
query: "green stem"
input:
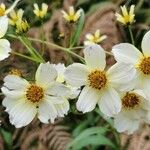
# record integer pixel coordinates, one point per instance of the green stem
(131, 34)
(42, 38)
(24, 56)
(58, 47)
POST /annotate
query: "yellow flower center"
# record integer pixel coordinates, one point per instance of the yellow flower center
(2, 11)
(144, 66)
(97, 79)
(127, 19)
(34, 93)
(130, 101)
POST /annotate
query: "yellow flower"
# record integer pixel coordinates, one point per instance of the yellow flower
(71, 16)
(127, 18)
(22, 27)
(15, 17)
(40, 13)
(2, 9)
(94, 38)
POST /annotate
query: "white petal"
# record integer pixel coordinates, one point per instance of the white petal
(87, 99)
(74, 92)
(126, 53)
(62, 109)
(45, 74)
(13, 93)
(13, 82)
(57, 89)
(76, 74)
(95, 57)
(21, 112)
(121, 74)
(110, 103)
(146, 44)
(146, 87)
(60, 69)
(3, 25)
(47, 111)
(122, 123)
(4, 49)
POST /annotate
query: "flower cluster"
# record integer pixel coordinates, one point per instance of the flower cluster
(120, 91)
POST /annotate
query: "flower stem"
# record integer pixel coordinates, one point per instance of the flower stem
(131, 34)
(24, 56)
(59, 47)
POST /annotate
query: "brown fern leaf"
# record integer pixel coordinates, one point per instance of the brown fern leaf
(39, 136)
(138, 141)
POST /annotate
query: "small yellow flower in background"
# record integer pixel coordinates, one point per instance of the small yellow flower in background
(2, 9)
(16, 72)
(40, 13)
(15, 16)
(94, 38)
(22, 27)
(127, 18)
(71, 16)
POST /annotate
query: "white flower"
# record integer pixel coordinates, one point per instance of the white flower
(4, 44)
(24, 100)
(99, 84)
(139, 61)
(74, 91)
(134, 111)
(94, 38)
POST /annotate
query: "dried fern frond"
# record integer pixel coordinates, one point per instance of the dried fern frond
(40, 136)
(138, 141)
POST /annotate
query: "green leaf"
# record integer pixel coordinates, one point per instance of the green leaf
(7, 138)
(78, 30)
(95, 140)
(87, 134)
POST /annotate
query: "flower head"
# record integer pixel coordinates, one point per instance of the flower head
(139, 62)
(40, 13)
(44, 97)
(71, 16)
(99, 84)
(22, 26)
(16, 17)
(134, 111)
(94, 38)
(127, 18)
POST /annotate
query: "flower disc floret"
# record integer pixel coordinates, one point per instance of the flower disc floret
(130, 101)
(97, 79)
(34, 93)
(145, 66)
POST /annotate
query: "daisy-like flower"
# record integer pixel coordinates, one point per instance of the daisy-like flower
(40, 13)
(127, 18)
(71, 16)
(15, 16)
(99, 84)
(24, 100)
(134, 111)
(74, 91)
(94, 38)
(139, 61)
